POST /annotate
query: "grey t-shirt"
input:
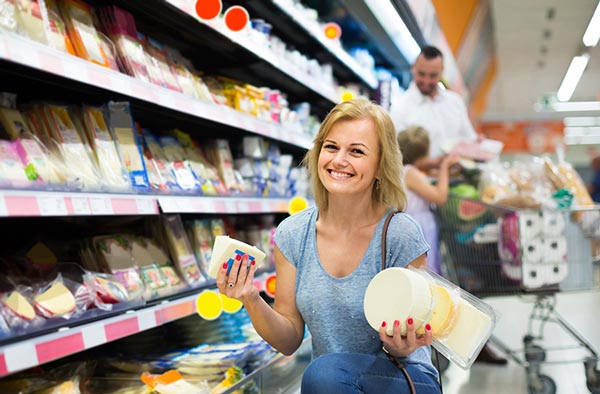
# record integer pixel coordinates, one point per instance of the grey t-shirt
(332, 308)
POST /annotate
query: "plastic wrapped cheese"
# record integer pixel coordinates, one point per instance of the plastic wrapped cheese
(225, 249)
(460, 322)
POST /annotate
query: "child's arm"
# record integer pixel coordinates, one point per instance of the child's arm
(436, 194)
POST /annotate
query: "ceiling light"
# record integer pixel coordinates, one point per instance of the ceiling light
(574, 72)
(577, 106)
(393, 24)
(592, 33)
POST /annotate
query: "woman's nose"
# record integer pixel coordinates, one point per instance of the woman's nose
(340, 157)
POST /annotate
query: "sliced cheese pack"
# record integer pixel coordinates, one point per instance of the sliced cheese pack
(225, 249)
(19, 305)
(56, 300)
(460, 322)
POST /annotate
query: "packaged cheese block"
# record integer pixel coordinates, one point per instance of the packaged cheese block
(11, 167)
(111, 291)
(77, 16)
(29, 16)
(469, 331)
(181, 250)
(441, 313)
(397, 294)
(226, 249)
(55, 301)
(13, 123)
(19, 306)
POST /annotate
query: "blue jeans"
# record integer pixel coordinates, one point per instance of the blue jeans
(347, 373)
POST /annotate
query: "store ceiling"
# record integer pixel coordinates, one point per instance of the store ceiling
(536, 40)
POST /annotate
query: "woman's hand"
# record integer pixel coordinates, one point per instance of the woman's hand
(239, 284)
(402, 346)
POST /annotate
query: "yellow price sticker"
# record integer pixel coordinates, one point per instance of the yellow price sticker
(209, 305)
(230, 305)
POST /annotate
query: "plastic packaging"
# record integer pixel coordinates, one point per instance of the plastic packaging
(461, 323)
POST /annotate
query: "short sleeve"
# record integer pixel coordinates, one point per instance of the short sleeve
(405, 241)
(292, 233)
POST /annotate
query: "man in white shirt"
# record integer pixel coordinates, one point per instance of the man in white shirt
(441, 112)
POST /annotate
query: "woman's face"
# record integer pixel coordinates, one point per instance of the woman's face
(349, 157)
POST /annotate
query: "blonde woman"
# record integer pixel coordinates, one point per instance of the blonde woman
(326, 255)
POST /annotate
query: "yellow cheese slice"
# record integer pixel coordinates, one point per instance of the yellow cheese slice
(20, 306)
(443, 310)
(225, 250)
(469, 329)
(57, 300)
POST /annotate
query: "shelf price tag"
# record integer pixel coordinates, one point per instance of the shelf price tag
(3, 208)
(81, 206)
(101, 206)
(52, 206)
(145, 206)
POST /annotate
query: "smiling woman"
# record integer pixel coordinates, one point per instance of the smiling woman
(326, 256)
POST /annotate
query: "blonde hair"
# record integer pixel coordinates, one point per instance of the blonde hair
(388, 189)
(414, 144)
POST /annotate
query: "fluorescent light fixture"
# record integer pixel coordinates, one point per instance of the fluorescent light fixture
(582, 135)
(571, 79)
(581, 121)
(392, 23)
(577, 106)
(592, 33)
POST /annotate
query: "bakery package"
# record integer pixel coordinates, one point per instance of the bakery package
(460, 322)
(227, 250)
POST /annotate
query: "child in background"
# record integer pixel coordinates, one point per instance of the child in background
(421, 193)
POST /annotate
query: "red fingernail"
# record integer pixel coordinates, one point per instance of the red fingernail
(428, 327)
(410, 321)
(253, 262)
(383, 324)
(225, 265)
(238, 257)
(396, 323)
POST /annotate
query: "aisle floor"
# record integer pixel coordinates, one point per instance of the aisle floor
(580, 309)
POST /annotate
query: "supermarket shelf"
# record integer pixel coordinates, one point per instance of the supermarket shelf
(70, 340)
(285, 19)
(37, 203)
(279, 374)
(185, 204)
(34, 203)
(241, 40)
(25, 52)
(214, 48)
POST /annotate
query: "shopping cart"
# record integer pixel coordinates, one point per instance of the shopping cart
(491, 250)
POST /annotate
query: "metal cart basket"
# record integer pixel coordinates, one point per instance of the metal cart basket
(491, 250)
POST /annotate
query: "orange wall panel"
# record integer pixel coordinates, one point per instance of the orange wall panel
(454, 18)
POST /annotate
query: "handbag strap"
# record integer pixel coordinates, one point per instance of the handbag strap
(393, 359)
(386, 224)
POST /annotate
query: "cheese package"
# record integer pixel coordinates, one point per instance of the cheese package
(75, 150)
(19, 305)
(13, 123)
(31, 23)
(12, 171)
(175, 236)
(56, 31)
(460, 323)
(77, 17)
(90, 121)
(226, 250)
(55, 300)
(129, 146)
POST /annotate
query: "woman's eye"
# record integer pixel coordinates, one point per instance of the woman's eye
(329, 147)
(358, 152)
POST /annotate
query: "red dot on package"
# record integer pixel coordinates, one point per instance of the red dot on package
(208, 9)
(236, 18)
